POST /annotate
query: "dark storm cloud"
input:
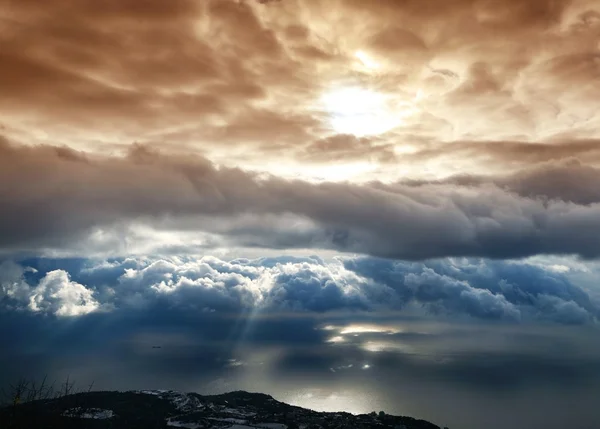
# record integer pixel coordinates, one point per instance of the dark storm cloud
(552, 210)
(569, 180)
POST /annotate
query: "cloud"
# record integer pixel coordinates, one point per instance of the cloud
(57, 294)
(460, 297)
(196, 80)
(467, 289)
(420, 330)
(146, 200)
(567, 180)
(468, 364)
(348, 147)
(484, 289)
(13, 287)
(511, 153)
(54, 293)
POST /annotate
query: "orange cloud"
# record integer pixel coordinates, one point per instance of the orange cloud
(433, 91)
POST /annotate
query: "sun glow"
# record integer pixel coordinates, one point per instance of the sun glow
(363, 112)
(357, 171)
(366, 61)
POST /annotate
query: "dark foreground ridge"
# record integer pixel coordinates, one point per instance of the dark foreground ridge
(149, 409)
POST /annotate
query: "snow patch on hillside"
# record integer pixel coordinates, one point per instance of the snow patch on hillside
(187, 425)
(229, 420)
(89, 413)
(182, 401)
(271, 425)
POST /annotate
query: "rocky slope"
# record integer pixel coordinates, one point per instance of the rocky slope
(149, 409)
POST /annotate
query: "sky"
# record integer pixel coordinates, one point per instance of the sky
(350, 205)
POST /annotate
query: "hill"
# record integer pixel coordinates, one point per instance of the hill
(149, 409)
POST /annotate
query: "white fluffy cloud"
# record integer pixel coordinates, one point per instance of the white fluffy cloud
(480, 289)
(213, 284)
(57, 294)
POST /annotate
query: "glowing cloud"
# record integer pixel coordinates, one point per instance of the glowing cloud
(363, 112)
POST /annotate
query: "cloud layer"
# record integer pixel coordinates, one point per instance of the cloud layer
(149, 202)
(261, 134)
(464, 289)
(454, 341)
(475, 85)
